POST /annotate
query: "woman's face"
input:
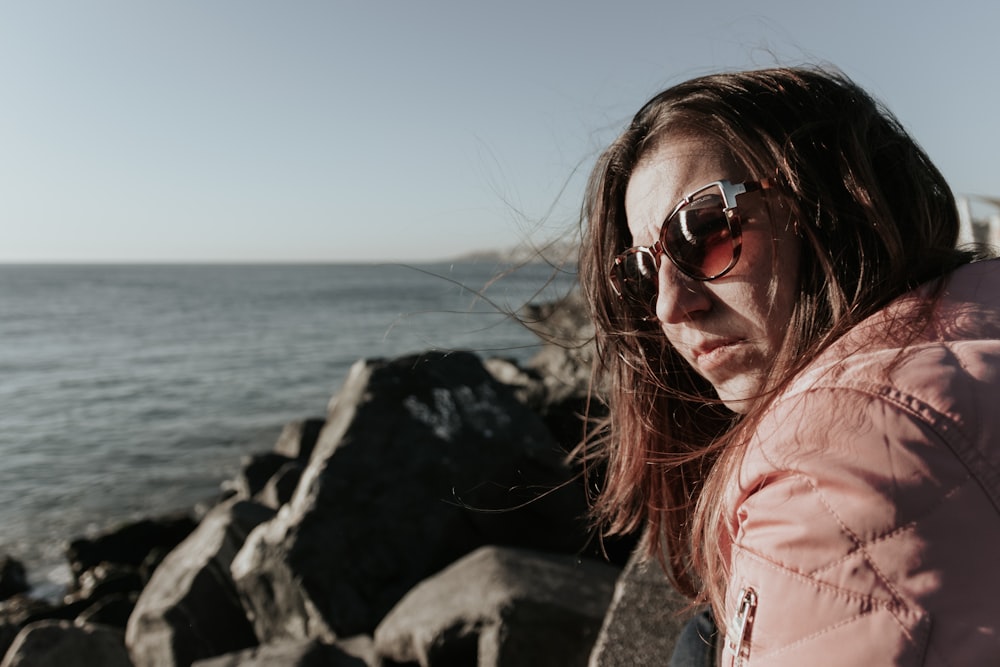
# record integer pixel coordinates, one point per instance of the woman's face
(729, 329)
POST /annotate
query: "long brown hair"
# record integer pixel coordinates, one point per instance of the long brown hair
(875, 218)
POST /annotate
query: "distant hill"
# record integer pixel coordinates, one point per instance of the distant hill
(554, 253)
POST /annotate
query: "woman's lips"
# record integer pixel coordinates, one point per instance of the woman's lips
(715, 355)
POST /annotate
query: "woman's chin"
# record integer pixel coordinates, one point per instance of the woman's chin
(738, 393)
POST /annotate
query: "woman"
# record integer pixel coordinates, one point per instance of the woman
(803, 373)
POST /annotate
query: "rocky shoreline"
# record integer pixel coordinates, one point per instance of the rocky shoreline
(431, 517)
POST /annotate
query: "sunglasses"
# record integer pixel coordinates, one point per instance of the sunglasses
(701, 236)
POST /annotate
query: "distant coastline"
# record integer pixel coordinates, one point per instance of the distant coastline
(557, 253)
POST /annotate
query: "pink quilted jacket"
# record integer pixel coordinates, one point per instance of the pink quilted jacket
(867, 510)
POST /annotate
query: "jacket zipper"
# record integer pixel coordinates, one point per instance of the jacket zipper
(738, 631)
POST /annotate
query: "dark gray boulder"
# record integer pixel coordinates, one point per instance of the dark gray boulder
(15, 613)
(301, 653)
(50, 643)
(106, 579)
(130, 543)
(645, 617)
(190, 609)
(556, 381)
(13, 577)
(565, 361)
(422, 459)
(270, 478)
(281, 487)
(298, 438)
(113, 610)
(255, 471)
(501, 607)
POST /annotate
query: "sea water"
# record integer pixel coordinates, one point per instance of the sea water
(128, 391)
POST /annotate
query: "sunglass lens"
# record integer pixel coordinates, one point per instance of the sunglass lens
(636, 277)
(699, 239)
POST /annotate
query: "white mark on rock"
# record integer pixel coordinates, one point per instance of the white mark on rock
(478, 408)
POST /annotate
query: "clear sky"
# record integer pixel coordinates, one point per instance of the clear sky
(357, 130)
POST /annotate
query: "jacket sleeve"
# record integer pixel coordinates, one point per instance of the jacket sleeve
(829, 515)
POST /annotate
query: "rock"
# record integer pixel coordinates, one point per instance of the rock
(422, 459)
(114, 574)
(129, 544)
(281, 487)
(556, 382)
(298, 439)
(566, 359)
(270, 478)
(15, 613)
(51, 643)
(563, 413)
(302, 653)
(528, 385)
(8, 633)
(501, 607)
(189, 609)
(154, 558)
(66, 611)
(13, 578)
(112, 610)
(106, 579)
(255, 471)
(20, 608)
(361, 646)
(645, 617)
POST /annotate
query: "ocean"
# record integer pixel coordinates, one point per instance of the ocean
(129, 391)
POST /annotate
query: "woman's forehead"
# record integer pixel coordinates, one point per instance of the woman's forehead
(672, 170)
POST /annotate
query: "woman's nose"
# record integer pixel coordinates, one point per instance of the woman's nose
(680, 298)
